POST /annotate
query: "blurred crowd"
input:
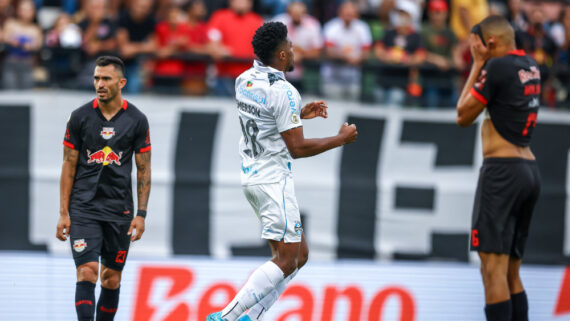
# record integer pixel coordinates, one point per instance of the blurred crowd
(395, 52)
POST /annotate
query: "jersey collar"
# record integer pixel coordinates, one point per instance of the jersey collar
(259, 66)
(96, 103)
(519, 52)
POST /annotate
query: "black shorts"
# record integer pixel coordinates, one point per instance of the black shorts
(91, 239)
(507, 191)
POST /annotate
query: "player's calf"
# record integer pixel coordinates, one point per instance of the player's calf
(85, 300)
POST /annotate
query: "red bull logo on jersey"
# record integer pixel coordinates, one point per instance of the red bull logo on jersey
(104, 156)
(526, 76)
(107, 132)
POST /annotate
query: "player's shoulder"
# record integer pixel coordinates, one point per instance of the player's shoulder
(499, 65)
(83, 111)
(134, 111)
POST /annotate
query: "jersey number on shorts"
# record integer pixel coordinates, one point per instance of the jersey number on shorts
(250, 131)
(530, 122)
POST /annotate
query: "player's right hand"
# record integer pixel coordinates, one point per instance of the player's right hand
(348, 133)
(63, 227)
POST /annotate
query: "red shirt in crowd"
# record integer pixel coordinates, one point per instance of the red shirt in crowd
(165, 36)
(235, 32)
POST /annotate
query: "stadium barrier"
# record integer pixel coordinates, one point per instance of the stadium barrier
(404, 190)
(188, 289)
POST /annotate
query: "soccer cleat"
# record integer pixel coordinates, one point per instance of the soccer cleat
(217, 316)
(245, 318)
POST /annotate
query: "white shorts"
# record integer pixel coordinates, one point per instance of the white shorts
(276, 208)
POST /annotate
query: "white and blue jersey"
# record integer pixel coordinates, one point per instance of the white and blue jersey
(267, 105)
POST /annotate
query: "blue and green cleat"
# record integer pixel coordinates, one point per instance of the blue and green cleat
(245, 318)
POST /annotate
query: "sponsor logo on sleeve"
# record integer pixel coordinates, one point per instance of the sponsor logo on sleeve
(294, 118)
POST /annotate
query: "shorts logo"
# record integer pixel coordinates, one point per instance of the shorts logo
(294, 118)
(249, 84)
(79, 245)
(107, 132)
(298, 227)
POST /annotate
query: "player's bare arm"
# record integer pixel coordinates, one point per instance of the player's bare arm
(70, 157)
(314, 109)
(142, 161)
(299, 146)
(468, 107)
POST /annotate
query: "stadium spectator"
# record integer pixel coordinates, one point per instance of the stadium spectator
(539, 45)
(172, 40)
(402, 51)
(6, 11)
(444, 53)
(305, 34)
(135, 38)
(465, 14)
(64, 34)
(64, 61)
(98, 38)
(347, 45)
(198, 44)
(559, 30)
(231, 31)
(23, 37)
(98, 30)
(388, 11)
(517, 17)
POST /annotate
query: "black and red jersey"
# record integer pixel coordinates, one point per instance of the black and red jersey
(510, 87)
(102, 186)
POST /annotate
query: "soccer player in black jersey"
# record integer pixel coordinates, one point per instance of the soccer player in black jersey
(96, 202)
(507, 82)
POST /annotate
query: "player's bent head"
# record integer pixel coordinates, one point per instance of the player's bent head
(116, 62)
(498, 28)
(267, 41)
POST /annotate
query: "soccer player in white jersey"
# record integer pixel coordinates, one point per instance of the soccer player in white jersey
(270, 115)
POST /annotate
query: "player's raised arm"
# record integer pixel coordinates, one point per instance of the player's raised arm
(469, 106)
(68, 169)
(299, 146)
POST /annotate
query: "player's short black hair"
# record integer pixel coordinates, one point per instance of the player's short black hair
(267, 39)
(497, 26)
(111, 60)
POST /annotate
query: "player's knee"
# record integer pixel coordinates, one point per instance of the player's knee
(491, 273)
(87, 272)
(110, 279)
(288, 266)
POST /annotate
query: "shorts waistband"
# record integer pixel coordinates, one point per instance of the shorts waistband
(507, 160)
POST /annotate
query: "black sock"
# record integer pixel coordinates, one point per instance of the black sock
(520, 306)
(499, 311)
(85, 300)
(107, 304)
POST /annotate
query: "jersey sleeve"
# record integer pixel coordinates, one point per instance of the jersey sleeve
(72, 137)
(487, 82)
(287, 110)
(142, 140)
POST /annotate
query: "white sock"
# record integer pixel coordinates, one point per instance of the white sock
(262, 281)
(258, 311)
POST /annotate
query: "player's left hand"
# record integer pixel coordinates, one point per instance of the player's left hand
(138, 225)
(315, 109)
